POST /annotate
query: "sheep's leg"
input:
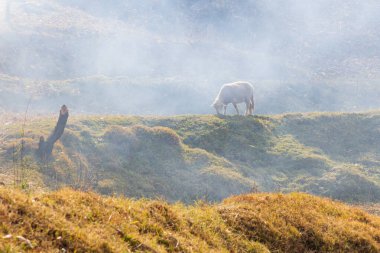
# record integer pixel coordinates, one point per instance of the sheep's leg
(224, 109)
(252, 107)
(247, 108)
(236, 108)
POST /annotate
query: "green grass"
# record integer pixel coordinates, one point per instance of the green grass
(192, 157)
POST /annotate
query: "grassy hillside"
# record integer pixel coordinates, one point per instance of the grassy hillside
(85, 53)
(85, 222)
(192, 157)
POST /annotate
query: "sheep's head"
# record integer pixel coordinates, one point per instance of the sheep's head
(218, 106)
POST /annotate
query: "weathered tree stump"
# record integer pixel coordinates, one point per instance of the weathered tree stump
(45, 148)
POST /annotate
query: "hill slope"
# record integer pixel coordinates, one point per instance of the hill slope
(154, 58)
(191, 157)
(86, 222)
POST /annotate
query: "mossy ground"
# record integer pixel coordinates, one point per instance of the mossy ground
(202, 156)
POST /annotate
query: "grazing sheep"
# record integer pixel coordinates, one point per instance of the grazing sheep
(235, 93)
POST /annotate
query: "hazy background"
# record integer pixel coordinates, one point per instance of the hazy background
(171, 57)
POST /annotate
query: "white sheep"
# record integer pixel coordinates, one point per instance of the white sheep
(235, 93)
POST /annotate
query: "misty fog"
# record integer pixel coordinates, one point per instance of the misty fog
(171, 57)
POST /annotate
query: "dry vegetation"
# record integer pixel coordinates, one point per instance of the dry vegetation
(191, 157)
(86, 222)
(302, 223)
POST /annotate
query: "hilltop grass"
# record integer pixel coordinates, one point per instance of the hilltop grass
(202, 156)
(86, 222)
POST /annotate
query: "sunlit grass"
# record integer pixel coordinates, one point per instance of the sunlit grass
(86, 222)
(193, 156)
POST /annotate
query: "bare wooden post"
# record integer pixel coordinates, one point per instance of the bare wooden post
(45, 148)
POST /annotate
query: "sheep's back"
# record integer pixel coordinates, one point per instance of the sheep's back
(236, 92)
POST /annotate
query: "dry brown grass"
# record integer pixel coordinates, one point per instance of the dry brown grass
(87, 222)
(302, 223)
